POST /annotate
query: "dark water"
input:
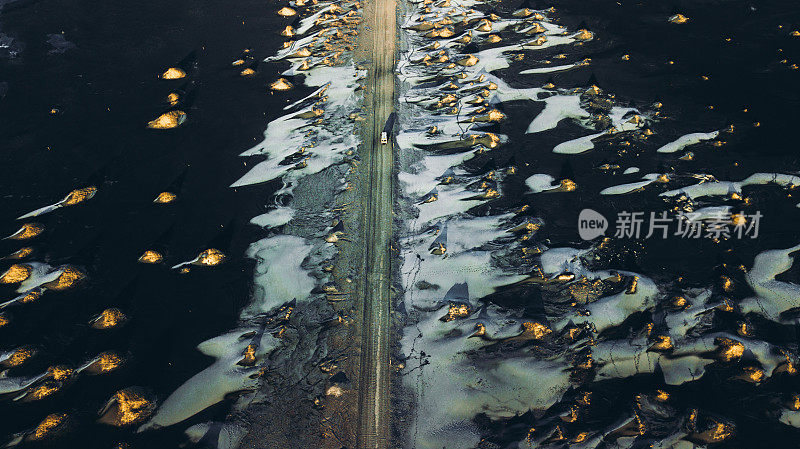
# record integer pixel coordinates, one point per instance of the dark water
(739, 46)
(743, 74)
(103, 80)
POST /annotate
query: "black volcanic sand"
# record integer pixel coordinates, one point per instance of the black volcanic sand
(105, 90)
(743, 73)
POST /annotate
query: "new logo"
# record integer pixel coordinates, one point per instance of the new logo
(591, 224)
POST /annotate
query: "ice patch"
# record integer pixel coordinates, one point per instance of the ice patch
(556, 109)
(280, 277)
(552, 69)
(631, 187)
(631, 170)
(274, 218)
(687, 140)
(211, 385)
(725, 188)
(577, 146)
(540, 183)
(773, 297)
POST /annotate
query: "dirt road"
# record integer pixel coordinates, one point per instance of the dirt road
(376, 202)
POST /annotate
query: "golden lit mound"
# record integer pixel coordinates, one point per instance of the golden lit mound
(79, 195)
(662, 343)
(729, 350)
(484, 25)
(567, 185)
(42, 391)
(662, 396)
(105, 363)
(679, 302)
(18, 357)
(751, 374)
(534, 330)
(59, 372)
(31, 296)
(249, 356)
(168, 120)
(444, 32)
(465, 39)
(593, 90)
(4, 320)
(21, 253)
(302, 53)
(165, 198)
(678, 19)
(68, 278)
(536, 28)
(334, 390)
(173, 98)
(108, 318)
(48, 426)
(288, 31)
(247, 72)
(173, 73)
(210, 257)
(128, 406)
(538, 42)
(431, 198)
(281, 84)
(794, 402)
(584, 35)
(525, 226)
(287, 12)
(496, 116)
(714, 432)
(468, 61)
(456, 311)
(27, 231)
(480, 330)
(524, 12)
(151, 256)
(16, 273)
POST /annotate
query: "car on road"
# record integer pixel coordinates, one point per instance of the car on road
(387, 128)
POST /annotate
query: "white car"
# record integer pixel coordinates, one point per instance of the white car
(384, 138)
